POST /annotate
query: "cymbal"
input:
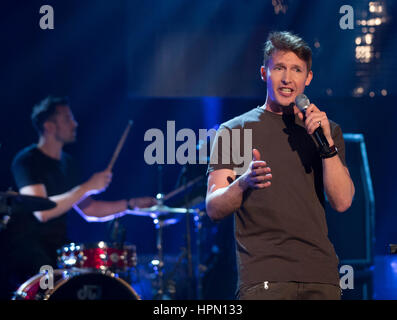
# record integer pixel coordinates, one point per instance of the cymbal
(167, 215)
(158, 210)
(15, 202)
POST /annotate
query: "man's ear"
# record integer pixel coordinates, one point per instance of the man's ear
(309, 78)
(263, 73)
(49, 126)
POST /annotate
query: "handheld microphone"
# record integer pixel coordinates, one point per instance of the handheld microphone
(302, 102)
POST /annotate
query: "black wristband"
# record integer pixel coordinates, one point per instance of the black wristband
(128, 206)
(332, 152)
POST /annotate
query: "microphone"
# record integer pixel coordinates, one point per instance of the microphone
(302, 102)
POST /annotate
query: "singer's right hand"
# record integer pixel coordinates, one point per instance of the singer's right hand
(258, 175)
(98, 182)
(316, 118)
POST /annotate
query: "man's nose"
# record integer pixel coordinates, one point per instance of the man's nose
(286, 77)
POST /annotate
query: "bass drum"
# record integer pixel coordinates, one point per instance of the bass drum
(76, 286)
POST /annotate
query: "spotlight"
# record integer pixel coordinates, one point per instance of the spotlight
(359, 90)
(364, 53)
(375, 7)
(368, 38)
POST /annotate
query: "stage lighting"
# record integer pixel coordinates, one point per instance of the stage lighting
(368, 38)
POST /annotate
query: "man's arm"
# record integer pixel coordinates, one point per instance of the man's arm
(225, 192)
(64, 201)
(97, 183)
(100, 211)
(338, 185)
(223, 198)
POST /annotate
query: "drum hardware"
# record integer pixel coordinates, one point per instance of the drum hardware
(160, 221)
(169, 282)
(191, 193)
(13, 202)
(114, 258)
(117, 232)
(163, 216)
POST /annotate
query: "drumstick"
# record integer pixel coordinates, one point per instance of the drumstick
(119, 146)
(182, 188)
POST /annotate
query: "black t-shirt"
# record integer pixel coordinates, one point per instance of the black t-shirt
(24, 232)
(281, 231)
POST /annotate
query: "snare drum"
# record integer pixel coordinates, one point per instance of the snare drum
(68, 285)
(97, 256)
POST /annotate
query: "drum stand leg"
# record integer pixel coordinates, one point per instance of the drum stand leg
(160, 295)
(199, 275)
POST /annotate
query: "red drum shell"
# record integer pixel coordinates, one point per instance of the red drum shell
(77, 286)
(98, 256)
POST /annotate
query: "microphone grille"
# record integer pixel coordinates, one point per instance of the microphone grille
(302, 102)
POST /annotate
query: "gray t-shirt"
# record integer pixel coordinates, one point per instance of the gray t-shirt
(281, 231)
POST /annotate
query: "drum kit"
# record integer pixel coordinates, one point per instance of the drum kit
(98, 271)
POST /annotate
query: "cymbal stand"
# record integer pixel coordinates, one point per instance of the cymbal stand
(159, 224)
(198, 224)
(5, 212)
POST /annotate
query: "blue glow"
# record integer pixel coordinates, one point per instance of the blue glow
(212, 111)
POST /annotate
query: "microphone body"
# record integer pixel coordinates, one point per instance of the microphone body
(302, 102)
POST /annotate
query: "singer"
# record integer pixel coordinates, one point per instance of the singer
(280, 227)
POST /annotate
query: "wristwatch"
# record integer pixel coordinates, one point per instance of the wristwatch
(331, 152)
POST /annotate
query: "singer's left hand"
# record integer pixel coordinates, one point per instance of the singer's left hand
(312, 122)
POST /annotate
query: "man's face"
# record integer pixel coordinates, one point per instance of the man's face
(63, 125)
(286, 77)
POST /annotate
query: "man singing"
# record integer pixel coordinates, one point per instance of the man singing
(280, 226)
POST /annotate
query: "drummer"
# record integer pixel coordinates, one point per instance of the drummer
(45, 170)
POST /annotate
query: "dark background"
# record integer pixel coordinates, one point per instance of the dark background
(194, 62)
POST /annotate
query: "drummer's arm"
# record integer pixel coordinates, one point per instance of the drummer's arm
(64, 201)
(100, 211)
(97, 210)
